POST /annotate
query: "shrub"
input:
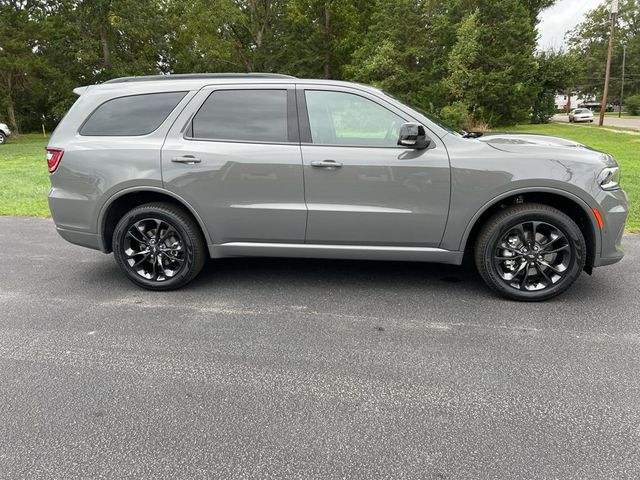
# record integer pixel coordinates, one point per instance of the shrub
(455, 114)
(632, 105)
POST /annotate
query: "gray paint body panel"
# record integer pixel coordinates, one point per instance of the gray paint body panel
(266, 199)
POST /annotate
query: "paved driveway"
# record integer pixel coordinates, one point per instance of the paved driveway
(310, 369)
(608, 121)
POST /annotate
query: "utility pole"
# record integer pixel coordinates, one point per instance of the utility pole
(624, 59)
(613, 13)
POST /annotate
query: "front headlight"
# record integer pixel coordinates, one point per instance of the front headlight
(609, 178)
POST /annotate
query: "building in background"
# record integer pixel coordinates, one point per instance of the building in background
(577, 100)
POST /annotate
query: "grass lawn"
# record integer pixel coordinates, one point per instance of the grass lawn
(24, 181)
(624, 115)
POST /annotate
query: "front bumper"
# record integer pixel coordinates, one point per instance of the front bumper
(614, 210)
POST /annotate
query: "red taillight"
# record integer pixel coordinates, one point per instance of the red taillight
(54, 155)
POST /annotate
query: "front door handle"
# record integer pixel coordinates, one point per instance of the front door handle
(187, 159)
(326, 164)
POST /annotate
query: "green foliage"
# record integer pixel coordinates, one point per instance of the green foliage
(396, 53)
(463, 57)
(555, 72)
(505, 65)
(426, 52)
(589, 42)
(455, 114)
(632, 105)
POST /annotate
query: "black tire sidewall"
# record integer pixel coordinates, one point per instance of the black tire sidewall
(187, 271)
(559, 221)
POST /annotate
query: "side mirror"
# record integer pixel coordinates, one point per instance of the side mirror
(413, 135)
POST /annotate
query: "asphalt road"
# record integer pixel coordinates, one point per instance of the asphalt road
(609, 121)
(310, 369)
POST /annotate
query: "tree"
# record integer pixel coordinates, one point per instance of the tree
(316, 38)
(633, 104)
(404, 51)
(21, 62)
(462, 71)
(555, 72)
(223, 35)
(429, 53)
(589, 42)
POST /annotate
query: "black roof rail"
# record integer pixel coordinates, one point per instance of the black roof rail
(195, 76)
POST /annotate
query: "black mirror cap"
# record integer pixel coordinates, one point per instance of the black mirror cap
(413, 135)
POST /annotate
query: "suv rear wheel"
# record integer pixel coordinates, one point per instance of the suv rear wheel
(530, 252)
(159, 246)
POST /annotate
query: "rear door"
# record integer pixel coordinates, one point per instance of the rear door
(361, 187)
(235, 157)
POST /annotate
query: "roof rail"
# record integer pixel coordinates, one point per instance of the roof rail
(195, 76)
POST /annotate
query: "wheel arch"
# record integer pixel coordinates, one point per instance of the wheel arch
(566, 202)
(124, 200)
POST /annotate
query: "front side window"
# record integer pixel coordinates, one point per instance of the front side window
(132, 115)
(338, 118)
(243, 115)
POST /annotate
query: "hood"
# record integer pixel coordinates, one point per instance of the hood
(545, 147)
(503, 141)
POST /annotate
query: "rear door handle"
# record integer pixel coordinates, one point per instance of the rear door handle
(326, 164)
(187, 159)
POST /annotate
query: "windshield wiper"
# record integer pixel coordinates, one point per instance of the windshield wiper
(471, 134)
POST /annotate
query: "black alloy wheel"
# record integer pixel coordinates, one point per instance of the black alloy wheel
(159, 246)
(530, 252)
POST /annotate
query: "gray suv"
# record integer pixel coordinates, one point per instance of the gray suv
(168, 171)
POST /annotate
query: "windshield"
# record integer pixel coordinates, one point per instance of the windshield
(432, 118)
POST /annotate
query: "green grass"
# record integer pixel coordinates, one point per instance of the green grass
(615, 114)
(24, 181)
(624, 145)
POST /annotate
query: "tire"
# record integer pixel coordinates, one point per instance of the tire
(159, 246)
(3, 138)
(518, 268)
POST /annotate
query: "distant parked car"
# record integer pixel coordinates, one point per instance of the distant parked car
(4, 133)
(581, 115)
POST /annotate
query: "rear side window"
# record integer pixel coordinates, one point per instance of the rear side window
(132, 115)
(243, 115)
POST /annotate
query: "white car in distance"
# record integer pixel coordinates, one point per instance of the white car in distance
(581, 115)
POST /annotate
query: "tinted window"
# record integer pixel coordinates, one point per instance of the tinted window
(338, 118)
(132, 115)
(243, 115)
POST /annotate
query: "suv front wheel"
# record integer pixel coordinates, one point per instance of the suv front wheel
(530, 252)
(159, 246)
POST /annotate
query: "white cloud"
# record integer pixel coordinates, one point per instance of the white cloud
(559, 19)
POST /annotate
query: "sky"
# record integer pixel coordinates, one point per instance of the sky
(559, 19)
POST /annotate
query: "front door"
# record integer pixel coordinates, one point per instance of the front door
(360, 187)
(235, 157)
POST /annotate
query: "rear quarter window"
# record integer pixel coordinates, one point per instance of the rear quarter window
(132, 115)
